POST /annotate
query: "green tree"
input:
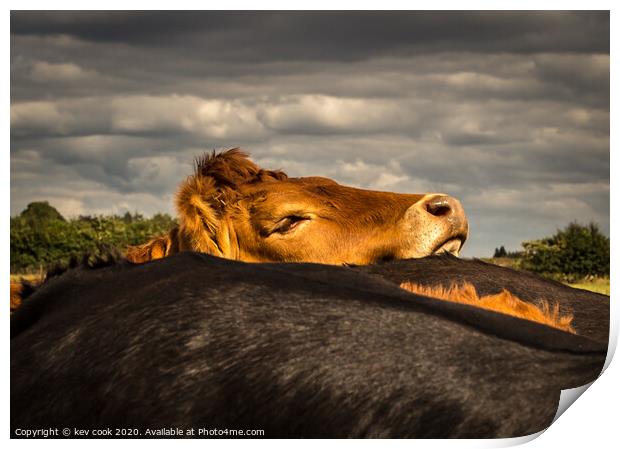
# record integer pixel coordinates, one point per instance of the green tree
(574, 252)
(40, 236)
(500, 252)
(40, 212)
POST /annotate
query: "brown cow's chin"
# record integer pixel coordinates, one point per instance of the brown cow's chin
(452, 246)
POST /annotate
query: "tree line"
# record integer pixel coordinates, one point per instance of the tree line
(41, 236)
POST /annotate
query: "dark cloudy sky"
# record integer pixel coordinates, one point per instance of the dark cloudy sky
(507, 111)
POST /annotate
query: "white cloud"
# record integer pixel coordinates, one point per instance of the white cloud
(66, 72)
(218, 119)
(37, 115)
(328, 114)
(157, 173)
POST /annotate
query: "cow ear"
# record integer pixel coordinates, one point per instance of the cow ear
(197, 205)
(154, 249)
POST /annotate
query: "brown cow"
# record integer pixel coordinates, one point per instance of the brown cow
(234, 209)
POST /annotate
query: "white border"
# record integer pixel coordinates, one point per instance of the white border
(591, 421)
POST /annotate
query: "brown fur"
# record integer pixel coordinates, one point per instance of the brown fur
(233, 168)
(16, 295)
(154, 249)
(232, 208)
(503, 302)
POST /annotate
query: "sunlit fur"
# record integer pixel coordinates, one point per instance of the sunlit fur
(154, 249)
(16, 295)
(503, 302)
(229, 208)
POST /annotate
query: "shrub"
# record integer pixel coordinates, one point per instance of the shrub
(40, 235)
(572, 253)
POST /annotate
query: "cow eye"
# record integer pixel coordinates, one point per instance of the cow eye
(288, 223)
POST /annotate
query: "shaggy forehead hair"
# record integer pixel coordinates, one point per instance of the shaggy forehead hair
(233, 168)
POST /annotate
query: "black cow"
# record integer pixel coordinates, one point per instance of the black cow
(297, 350)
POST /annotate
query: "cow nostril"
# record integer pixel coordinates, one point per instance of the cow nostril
(439, 207)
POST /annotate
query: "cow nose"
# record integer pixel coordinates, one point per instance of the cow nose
(442, 206)
(437, 223)
(447, 210)
(450, 213)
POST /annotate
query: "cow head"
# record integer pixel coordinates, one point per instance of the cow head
(232, 208)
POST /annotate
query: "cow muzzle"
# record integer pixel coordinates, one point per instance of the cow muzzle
(435, 224)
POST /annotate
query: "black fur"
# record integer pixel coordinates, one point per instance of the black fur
(590, 310)
(298, 350)
(104, 256)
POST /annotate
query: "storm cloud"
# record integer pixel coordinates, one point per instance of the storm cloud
(508, 111)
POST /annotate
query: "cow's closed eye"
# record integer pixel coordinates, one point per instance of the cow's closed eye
(288, 223)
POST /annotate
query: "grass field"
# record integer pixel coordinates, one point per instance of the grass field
(598, 285)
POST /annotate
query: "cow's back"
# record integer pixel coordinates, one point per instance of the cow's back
(293, 349)
(590, 310)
